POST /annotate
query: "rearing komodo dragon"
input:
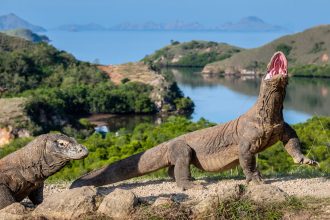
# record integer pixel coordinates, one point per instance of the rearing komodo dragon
(23, 172)
(217, 148)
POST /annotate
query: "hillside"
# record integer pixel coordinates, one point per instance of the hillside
(61, 89)
(12, 21)
(310, 47)
(190, 54)
(27, 35)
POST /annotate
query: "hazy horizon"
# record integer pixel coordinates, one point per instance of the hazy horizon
(294, 15)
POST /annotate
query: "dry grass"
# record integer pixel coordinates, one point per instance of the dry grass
(12, 110)
(135, 72)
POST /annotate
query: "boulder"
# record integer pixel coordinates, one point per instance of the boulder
(69, 204)
(205, 209)
(119, 204)
(13, 212)
(265, 193)
(162, 201)
(231, 192)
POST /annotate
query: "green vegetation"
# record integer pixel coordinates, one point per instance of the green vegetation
(60, 88)
(318, 46)
(243, 208)
(190, 54)
(286, 49)
(311, 70)
(27, 35)
(314, 135)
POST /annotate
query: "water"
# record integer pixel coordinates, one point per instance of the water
(217, 99)
(115, 47)
(220, 99)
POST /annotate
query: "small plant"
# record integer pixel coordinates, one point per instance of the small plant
(318, 46)
(125, 80)
(286, 49)
(244, 208)
(173, 211)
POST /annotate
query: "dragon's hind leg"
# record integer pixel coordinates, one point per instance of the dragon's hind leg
(36, 196)
(6, 197)
(180, 155)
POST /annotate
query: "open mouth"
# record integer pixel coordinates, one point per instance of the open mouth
(278, 65)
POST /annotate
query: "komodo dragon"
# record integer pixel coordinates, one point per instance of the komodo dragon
(23, 172)
(217, 148)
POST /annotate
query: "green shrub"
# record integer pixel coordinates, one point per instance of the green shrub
(310, 70)
(286, 49)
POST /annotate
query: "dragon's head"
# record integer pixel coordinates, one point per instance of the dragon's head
(276, 78)
(65, 147)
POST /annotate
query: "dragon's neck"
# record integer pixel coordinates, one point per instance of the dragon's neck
(50, 164)
(269, 106)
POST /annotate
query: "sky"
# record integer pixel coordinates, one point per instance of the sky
(293, 14)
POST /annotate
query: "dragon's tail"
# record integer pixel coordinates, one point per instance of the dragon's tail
(133, 166)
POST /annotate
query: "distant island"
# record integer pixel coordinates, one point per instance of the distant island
(250, 24)
(247, 24)
(12, 21)
(81, 27)
(173, 26)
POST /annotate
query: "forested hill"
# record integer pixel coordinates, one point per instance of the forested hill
(57, 88)
(191, 54)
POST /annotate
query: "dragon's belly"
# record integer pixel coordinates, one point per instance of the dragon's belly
(222, 160)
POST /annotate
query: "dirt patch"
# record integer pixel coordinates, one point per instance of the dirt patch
(135, 72)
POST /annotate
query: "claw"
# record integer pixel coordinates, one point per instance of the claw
(308, 161)
(313, 163)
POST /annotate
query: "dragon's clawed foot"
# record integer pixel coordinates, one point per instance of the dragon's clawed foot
(191, 185)
(306, 160)
(255, 178)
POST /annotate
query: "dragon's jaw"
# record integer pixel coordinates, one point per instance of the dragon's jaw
(278, 66)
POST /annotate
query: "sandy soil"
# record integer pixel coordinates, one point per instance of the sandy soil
(151, 189)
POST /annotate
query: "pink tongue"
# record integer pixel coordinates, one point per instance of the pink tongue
(278, 65)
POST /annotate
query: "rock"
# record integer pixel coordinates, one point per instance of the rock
(118, 204)
(231, 192)
(14, 211)
(163, 201)
(205, 208)
(69, 204)
(266, 193)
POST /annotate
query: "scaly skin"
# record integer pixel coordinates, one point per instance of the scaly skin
(218, 148)
(23, 172)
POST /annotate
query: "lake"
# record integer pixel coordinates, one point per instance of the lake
(220, 99)
(217, 99)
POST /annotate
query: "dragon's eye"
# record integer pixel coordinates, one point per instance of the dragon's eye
(62, 143)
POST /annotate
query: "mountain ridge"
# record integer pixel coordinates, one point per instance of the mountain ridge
(12, 21)
(246, 24)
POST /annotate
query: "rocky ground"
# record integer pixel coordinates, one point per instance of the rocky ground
(314, 187)
(135, 198)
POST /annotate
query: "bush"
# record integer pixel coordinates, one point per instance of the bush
(286, 49)
(311, 70)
